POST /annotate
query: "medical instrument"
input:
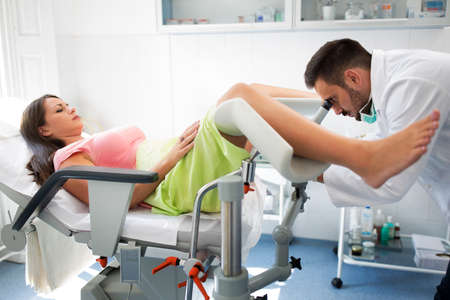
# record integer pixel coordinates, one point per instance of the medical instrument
(110, 190)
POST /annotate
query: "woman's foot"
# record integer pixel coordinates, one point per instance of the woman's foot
(390, 156)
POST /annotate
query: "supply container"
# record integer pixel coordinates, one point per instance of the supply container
(375, 236)
(366, 223)
(391, 227)
(265, 14)
(368, 248)
(354, 11)
(413, 8)
(378, 222)
(386, 9)
(434, 8)
(385, 234)
(328, 9)
(397, 231)
(202, 21)
(173, 21)
(187, 21)
(374, 10)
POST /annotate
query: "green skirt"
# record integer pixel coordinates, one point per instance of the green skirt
(211, 157)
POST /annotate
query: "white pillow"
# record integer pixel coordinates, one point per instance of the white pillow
(7, 130)
(10, 116)
(14, 156)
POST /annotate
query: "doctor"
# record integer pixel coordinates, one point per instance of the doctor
(392, 88)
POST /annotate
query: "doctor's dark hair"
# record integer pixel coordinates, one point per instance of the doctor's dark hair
(333, 58)
(43, 148)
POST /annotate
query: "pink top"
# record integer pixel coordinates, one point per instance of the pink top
(114, 148)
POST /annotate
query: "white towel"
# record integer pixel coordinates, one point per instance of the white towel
(53, 259)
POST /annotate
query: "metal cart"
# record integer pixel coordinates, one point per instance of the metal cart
(405, 256)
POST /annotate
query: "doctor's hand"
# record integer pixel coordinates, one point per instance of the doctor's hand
(184, 143)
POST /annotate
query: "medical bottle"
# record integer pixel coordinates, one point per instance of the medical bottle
(378, 222)
(375, 236)
(366, 223)
(386, 9)
(397, 231)
(384, 234)
(391, 227)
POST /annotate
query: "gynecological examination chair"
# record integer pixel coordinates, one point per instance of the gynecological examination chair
(109, 230)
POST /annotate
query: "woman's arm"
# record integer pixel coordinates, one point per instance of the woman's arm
(279, 92)
(182, 147)
(79, 188)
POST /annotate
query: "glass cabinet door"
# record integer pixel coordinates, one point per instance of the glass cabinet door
(371, 13)
(217, 15)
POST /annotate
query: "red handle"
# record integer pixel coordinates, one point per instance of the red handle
(247, 188)
(201, 288)
(171, 260)
(103, 261)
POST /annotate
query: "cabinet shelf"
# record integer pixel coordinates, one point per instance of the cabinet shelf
(239, 16)
(308, 15)
(238, 27)
(223, 16)
(373, 23)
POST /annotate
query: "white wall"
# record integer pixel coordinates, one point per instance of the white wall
(116, 69)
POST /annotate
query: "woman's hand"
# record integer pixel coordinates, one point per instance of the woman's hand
(184, 144)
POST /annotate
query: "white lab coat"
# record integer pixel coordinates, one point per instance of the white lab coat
(406, 86)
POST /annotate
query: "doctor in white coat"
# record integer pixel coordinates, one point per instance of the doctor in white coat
(394, 89)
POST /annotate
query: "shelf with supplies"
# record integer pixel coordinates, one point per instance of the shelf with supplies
(195, 16)
(357, 248)
(358, 14)
(190, 16)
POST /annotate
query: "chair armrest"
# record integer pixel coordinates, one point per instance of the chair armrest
(43, 196)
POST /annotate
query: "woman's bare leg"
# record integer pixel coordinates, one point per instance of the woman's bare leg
(374, 161)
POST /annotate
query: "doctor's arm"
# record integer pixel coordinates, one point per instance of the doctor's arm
(406, 101)
(279, 92)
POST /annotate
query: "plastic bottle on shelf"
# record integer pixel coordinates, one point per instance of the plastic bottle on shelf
(378, 222)
(265, 14)
(354, 11)
(386, 9)
(374, 9)
(368, 248)
(354, 224)
(397, 231)
(384, 234)
(279, 16)
(259, 16)
(391, 227)
(375, 236)
(366, 222)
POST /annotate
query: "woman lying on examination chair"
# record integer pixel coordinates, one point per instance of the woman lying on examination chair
(201, 154)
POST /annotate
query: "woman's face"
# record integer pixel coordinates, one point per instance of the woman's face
(61, 121)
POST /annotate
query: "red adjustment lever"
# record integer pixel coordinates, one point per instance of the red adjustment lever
(103, 261)
(171, 260)
(193, 274)
(247, 188)
(203, 279)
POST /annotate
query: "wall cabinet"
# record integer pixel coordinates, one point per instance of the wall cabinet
(184, 16)
(230, 15)
(340, 14)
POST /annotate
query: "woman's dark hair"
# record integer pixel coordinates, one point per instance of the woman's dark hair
(43, 148)
(333, 58)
